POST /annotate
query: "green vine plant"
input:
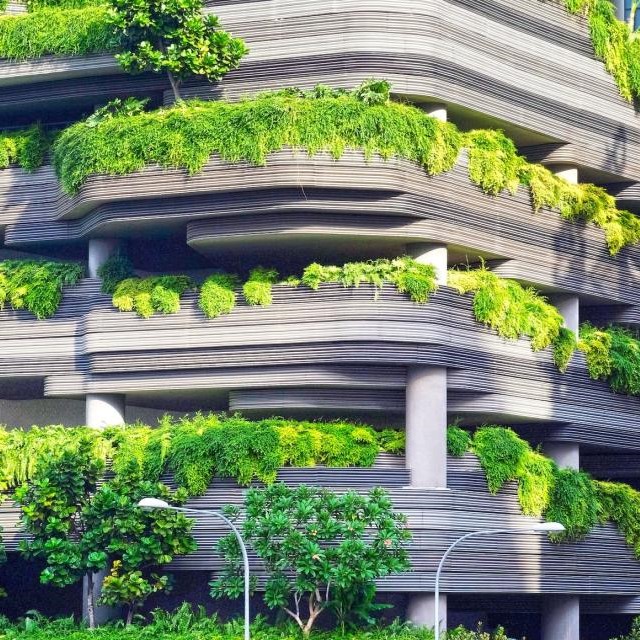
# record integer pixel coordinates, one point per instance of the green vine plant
(195, 450)
(612, 354)
(325, 120)
(614, 42)
(514, 311)
(36, 285)
(26, 148)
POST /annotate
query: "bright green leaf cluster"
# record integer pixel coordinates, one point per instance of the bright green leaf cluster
(145, 296)
(173, 36)
(612, 354)
(26, 148)
(257, 289)
(514, 311)
(613, 42)
(56, 31)
(36, 286)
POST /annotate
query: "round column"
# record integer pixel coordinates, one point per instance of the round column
(431, 253)
(565, 454)
(104, 409)
(560, 617)
(569, 308)
(421, 611)
(435, 110)
(100, 250)
(426, 426)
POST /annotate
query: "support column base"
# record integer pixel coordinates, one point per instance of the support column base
(560, 617)
(421, 610)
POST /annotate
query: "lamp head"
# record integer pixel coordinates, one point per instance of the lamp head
(550, 527)
(153, 503)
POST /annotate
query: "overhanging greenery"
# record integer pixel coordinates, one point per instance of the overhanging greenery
(56, 30)
(196, 449)
(26, 148)
(613, 42)
(612, 354)
(187, 135)
(514, 311)
(36, 286)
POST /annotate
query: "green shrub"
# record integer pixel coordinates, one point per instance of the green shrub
(612, 354)
(26, 148)
(574, 503)
(114, 270)
(612, 43)
(512, 310)
(417, 280)
(620, 503)
(217, 295)
(494, 163)
(500, 452)
(564, 346)
(186, 136)
(145, 296)
(56, 31)
(257, 289)
(458, 441)
(36, 286)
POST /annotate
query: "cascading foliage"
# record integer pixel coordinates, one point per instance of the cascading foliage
(195, 450)
(26, 148)
(324, 120)
(36, 285)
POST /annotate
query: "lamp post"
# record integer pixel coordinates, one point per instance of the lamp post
(540, 527)
(155, 503)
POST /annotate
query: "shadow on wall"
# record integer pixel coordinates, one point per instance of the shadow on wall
(21, 579)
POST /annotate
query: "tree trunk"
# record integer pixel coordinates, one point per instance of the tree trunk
(174, 86)
(129, 616)
(91, 614)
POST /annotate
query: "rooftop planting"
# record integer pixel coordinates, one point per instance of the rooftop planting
(187, 135)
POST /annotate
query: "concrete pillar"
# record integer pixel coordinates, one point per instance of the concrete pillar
(560, 617)
(620, 12)
(567, 171)
(569, 308)
(104, 409)
(100, 250)
(565, 454)
(426, 426)
(421, 610)
(101, 613)
(435, 110)
(431, 253)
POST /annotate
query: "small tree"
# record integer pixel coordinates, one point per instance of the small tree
(52, 505)
(318, 547)
(137, 542)
(174, 36)
(79, 529)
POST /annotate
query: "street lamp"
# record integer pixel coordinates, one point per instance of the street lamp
(155, 503)
(539, 527)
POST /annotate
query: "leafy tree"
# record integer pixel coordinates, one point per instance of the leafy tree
(174, 36)
(79, 529)
(136, 541)
(52, 504)
(318, 547)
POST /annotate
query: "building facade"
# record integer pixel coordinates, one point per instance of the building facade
(524, 67)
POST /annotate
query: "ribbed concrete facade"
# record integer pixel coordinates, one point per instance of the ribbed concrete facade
(524, 66)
